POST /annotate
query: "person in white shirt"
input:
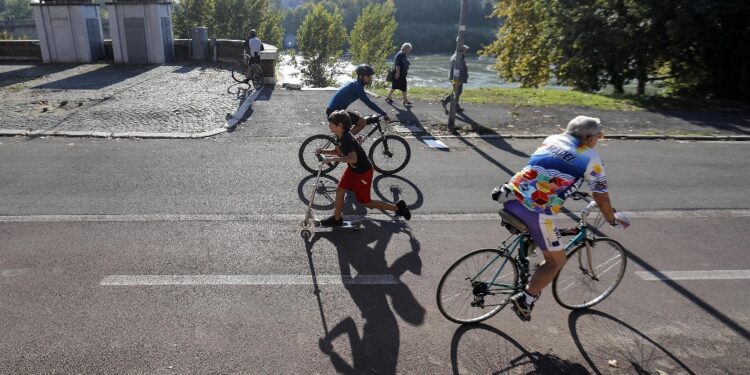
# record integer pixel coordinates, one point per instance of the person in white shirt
(254, 46)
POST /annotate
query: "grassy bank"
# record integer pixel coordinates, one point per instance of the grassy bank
(555, 97)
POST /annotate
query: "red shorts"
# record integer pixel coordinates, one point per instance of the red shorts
(359, 183)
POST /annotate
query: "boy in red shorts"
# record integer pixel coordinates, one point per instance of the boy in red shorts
(358, 174)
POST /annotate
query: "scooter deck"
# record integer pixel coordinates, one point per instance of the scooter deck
(347, 224)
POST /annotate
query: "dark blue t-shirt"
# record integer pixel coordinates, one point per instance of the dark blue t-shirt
(349, 93)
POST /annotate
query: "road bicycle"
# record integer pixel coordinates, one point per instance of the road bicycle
(389, 153)
(479, 284)
(240, 72)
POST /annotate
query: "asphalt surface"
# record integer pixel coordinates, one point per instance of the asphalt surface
(77, 213)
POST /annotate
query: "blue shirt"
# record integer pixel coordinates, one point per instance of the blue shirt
(348, 94)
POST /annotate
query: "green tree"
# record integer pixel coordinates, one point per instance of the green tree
(320, 39)
(16, 10)
(192, 14)
(524, 45)
(372, 36)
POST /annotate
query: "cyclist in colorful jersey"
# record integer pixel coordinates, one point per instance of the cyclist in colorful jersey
(537, 193)
(358, 174)
(352, 91)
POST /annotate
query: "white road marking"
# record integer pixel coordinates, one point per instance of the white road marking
(155, 280)
(663, 214)
(694, 275)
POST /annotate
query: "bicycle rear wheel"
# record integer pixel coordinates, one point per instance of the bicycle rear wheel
(590, 274)
(238, 73)
(466, 292)
(390, 154)
(257, 78)
(309, 159)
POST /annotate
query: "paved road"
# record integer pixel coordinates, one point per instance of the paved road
(79, 212)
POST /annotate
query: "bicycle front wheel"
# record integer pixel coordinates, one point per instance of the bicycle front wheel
(469, 292)
(309, 159)
(389, 154)
(590, 275)
(238, 73)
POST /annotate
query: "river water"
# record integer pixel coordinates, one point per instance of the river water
(424, 71)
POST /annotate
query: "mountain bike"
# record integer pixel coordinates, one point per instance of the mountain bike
(479, 284)
(242, 74)
(389, 153)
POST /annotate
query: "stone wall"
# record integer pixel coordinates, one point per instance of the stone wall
(226, 50)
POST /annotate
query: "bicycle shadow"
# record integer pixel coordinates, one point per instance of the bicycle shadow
(362, 255)
(607, 342)
(393, 188)
(483, 349)
(398, 188)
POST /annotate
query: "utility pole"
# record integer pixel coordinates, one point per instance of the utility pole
(459, 61)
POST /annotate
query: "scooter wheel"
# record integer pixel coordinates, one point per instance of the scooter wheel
(305, 233)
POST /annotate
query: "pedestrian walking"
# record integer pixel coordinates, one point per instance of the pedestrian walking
(463, 76)
(400, 70)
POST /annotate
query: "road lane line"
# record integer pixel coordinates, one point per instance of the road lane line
(157, 280)
(662, 214)
(694, 275)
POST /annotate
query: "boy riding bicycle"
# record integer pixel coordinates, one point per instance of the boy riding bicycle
(358, 174)
(352, 91)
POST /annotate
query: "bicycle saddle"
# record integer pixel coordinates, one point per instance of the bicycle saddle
(512, 222)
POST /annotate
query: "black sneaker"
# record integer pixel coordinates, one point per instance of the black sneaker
(444, 103)
(402, 210)
(459, 108)
(520, 307)
(332, 222)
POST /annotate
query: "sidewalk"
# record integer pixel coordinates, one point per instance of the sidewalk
(194, 101)
(180, 101)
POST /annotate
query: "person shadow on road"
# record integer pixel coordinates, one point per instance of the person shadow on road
(376, 351)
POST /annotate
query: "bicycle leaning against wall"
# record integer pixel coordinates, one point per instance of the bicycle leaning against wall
(248, 70)
(479, 284)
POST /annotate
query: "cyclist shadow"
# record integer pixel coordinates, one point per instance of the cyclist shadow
(483, 349)
(602, 338)
(371, 282)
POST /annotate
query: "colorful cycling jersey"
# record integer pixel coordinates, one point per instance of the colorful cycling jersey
(555, 171)
(350, 92)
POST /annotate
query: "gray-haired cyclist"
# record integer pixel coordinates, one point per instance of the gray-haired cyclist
(537, 193)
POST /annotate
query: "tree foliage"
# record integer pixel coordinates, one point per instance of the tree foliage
(16, 10)
(372, 36)
(701, 46)
(431, 25)
(230, 19)
(193, 14)
(523, 45)
(320, 39)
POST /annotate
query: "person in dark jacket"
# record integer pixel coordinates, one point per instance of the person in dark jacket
(401, 66)
(463, 76)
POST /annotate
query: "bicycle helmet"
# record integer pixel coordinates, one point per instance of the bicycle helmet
(364, 70)
(253, 34)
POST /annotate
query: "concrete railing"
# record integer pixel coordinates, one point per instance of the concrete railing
(20, 50)
(223, 50)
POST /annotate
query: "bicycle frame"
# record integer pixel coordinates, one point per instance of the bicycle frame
(519, 244)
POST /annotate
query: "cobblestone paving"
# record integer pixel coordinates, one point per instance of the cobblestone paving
(117, 98)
